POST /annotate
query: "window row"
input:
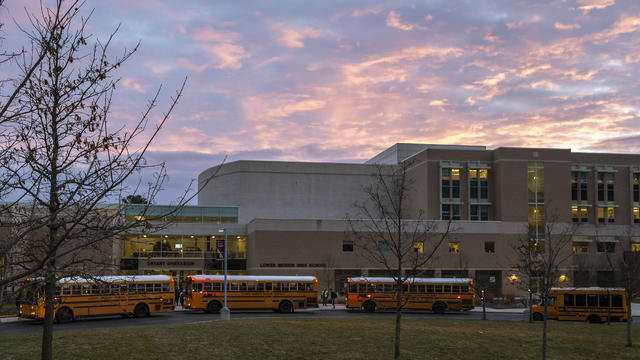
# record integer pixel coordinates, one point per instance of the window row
(112, 289)
(253, 286)
(476, 212)
(409, 288)
(593, 300)
(478, 183)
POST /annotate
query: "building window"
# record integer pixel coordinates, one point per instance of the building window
(605, 186)
(579, 185)
(454, 247)
(636, 215)
(635, 247)
(606, 247)
(489, 247)
(535, 185)
(347, 245)
(579, 214)
(479, 212)
(383, 246)
(636, 187)
(479, 184)
(606, 215)
(580, 247)
(450, 211)
(419, 247)
(450, 183)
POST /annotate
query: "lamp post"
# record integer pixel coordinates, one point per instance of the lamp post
(225, 314)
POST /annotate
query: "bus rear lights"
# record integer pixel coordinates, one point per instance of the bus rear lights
(459, 297)
(368, 295)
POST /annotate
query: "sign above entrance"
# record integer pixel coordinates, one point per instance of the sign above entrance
(171, 264)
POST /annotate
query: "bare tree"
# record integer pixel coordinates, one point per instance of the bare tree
(526, 250)
(63, 162)
(543, 259)
(385, 232)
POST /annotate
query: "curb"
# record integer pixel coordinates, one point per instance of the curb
(9, 319)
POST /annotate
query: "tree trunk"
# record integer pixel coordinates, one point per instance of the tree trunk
(47, 326)
(484, 307)
(544, 331)
(629, 320)
(396, 348)
(530, 297)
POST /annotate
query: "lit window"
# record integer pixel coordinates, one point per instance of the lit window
(636, 187)
(478, 184)
(418, 247)
(606, 214)
(580, 247)
(579, 214)
(450, 183)
(636, 215)
(635, 247)
(454, 247)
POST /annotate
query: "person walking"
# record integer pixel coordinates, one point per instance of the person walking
(333, 298)
(324, 295)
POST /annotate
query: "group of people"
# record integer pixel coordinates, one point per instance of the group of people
(326, 294)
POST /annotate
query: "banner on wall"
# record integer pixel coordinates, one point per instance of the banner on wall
(220, 250)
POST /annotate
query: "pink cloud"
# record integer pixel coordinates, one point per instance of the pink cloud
(588, 5)
(132, 85)
(294, 38)
(275, 106)
(221, 47)
(561, 26)
(393, 20)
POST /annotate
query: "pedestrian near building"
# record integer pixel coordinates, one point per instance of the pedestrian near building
(333, 298)
(324, 295)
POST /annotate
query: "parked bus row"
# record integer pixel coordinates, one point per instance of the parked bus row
(141, 295)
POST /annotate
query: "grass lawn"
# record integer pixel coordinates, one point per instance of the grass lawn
(341, 338)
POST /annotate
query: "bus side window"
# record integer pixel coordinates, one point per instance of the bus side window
(243, 286)
(157, 287)
(251, 286)
(132, 288)
(115, 288)
(616, 300)
(581, 300)
(86, 290)
(284, 286)
(421, 289)
(268, 286)
(301, 287)
(379, 288)
(430, 289)
(568, 300)
(140, 288)
(447, 289)
(149, 288)
(353, 288)
(66, 290)
(123, 288)
(604, 300)
(438, 288)
(309, 286)
(464, 289)
(166, 287)
(216, 286)
(207, 286)
(58, 291)
(233, 286)
(75, 290)
(592, 300)
(95, 289)
(456, 289)
(371, 287)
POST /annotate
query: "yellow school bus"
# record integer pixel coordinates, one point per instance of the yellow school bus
(278, 293)
(593, 304)
(434, 294)
(104, 295)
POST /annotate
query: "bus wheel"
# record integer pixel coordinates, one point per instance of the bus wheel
(213, 307)
(285, 307)
(64, 315)
(369, 307)
(141, 310)
(594, 319)
(537, 317)
(439, 307)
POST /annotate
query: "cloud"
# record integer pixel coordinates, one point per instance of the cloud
(561, 26)
(275, 106)
(131, 84)
(365, 12)
(588, 5)
(221, 47)
(294, 37)
(393, 20)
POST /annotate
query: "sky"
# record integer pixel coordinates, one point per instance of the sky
(340, 81)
